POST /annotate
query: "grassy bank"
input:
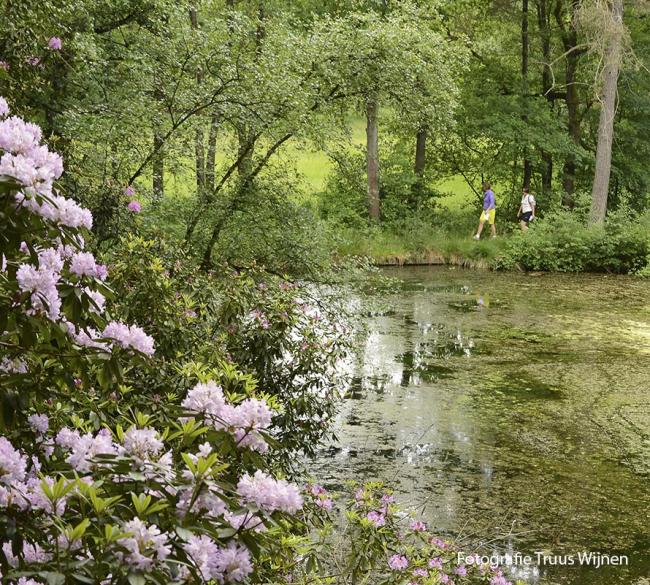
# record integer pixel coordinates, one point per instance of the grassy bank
(562, 242)
(421, 247)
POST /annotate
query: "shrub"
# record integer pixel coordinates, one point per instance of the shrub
(93, 488)
(378, 542)
(562, 242)
(263, 324)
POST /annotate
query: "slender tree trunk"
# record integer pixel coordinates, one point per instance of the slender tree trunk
(419, 166)
(199, 152)
(212, 152)
(158, 166)
(372, 157)
(570, 43)
(420, 153)
(528, 168)
(573, 120)
(545, 40)
(611, 71)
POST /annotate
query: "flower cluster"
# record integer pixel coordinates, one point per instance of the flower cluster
(321, 497)
(129, 337)
(146, 545)
(231, 564)
(55, 44)
(84, 448)
(32, 165)
(243, 420)
(142, 546)
(416, 556)
(269, 494)
(60, 265)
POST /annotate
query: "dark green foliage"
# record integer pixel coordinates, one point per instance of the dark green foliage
(248, 320)
(403, 198)
(563, 242)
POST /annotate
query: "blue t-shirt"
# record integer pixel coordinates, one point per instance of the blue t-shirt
(488, 200)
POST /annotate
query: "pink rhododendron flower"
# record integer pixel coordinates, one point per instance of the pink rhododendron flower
(134, 206)
(101, 271)
(418, 526)
(398, 562)
(39, 422)
(325, 504)
(83, 264)
(13, 465)
(243, 420)
(387, 499)
(41, 283)
(499, 579)
(268, 493)
(435, 563)
(55, 44)
(377, 518)
(231, 564)
(98, 301)
(142, 444)
(146, 545)
(460, 570)
(420, 572)
(439, 543)
(83, 448)
(129, 337)
(4, 65)
(129, 191)
(33, 61)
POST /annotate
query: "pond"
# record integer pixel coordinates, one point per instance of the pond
(512, 410)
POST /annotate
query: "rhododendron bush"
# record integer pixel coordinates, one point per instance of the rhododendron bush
(96, 494)
(270, 328)
(377, 542)
(145, 429)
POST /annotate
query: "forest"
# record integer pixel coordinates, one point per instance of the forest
(223, 220)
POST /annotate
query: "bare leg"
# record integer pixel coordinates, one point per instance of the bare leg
(480, 229)
(493, 229)
(524, 226)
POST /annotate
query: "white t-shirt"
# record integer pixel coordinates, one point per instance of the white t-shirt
(527, 202)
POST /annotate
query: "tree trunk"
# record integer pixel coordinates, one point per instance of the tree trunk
(158, 166)
(528, 168)
(212, 152)
(570, 43)
(420, 153)
(199, 152)
(547, 85)
(420, 164)
(573, 121)
(612, 59)
(372, 158)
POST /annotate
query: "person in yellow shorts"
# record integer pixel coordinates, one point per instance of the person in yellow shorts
(489, 212)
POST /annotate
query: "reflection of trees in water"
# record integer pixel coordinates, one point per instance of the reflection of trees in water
(503, 447)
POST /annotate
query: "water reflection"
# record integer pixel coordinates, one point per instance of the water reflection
(513, 409)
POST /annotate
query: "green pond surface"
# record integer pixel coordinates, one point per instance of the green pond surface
(512, 410)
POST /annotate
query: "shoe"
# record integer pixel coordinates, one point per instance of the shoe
(476, 237)
(494, 237)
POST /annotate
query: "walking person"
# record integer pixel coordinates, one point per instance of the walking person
(488, 213)
(526, 211)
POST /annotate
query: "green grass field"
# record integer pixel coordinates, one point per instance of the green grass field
(314, 166)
